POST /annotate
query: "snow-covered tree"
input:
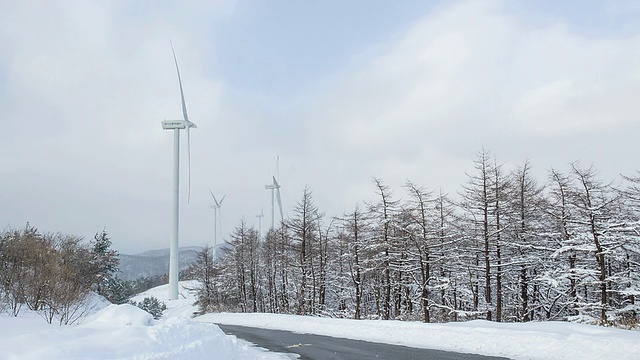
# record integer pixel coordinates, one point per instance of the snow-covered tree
(203, 270)
(384, 231)
(303, 227)
(104, 261)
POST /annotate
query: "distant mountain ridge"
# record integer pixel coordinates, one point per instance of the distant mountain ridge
(154, 262)
(165, 252)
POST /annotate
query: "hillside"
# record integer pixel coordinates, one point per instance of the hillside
(154, 262)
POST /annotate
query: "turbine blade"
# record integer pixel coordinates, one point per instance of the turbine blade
(279, 203)
(221, 200)
(215, 200)
(189, 161)
(275, 183)
(184, 105)
(186, 119)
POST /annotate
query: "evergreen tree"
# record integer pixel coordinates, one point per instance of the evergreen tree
(153, 306)
(104, 260)
(118, 291)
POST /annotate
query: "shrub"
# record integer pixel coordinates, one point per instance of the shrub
(153, 306)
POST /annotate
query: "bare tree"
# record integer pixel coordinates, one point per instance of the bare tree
(528, 224)
(204, 272)
(383, 212)
(304, 230)
(478, 201)
(420, 203)
(595, 203)
(354, 223)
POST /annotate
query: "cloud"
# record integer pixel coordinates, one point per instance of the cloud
(86, 85)
(476, 74)
(476, 63)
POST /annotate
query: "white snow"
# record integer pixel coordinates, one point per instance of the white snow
(124, 314)
(183, 307)
(126, 332)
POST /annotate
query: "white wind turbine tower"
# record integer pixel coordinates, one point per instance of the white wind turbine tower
(216, 217)
(275, 192)
(176, 126)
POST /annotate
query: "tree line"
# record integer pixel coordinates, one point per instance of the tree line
(508, 248)
(54, 274)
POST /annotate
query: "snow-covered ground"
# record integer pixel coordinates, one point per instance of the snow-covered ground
(126, 332)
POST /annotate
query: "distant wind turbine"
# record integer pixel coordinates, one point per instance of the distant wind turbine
(176, 126)
(216, 212)
(260, 216)
(275, 193)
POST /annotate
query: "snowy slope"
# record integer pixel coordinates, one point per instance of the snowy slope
(124, 332)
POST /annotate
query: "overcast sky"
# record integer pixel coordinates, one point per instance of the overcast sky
(342, 91)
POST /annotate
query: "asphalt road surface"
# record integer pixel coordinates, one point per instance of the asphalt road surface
(317, 347)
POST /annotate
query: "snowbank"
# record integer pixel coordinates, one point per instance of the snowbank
(124, 314)
(124, 332)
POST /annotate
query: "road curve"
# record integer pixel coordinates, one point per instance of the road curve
(316, 347)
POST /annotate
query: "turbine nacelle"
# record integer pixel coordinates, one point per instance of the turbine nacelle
(177, 124)
(173, 124)
(273, 185)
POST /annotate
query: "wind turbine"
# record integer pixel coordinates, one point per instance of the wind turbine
(260, 216)
(216, 211)
(176, 126)
(275, 193)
